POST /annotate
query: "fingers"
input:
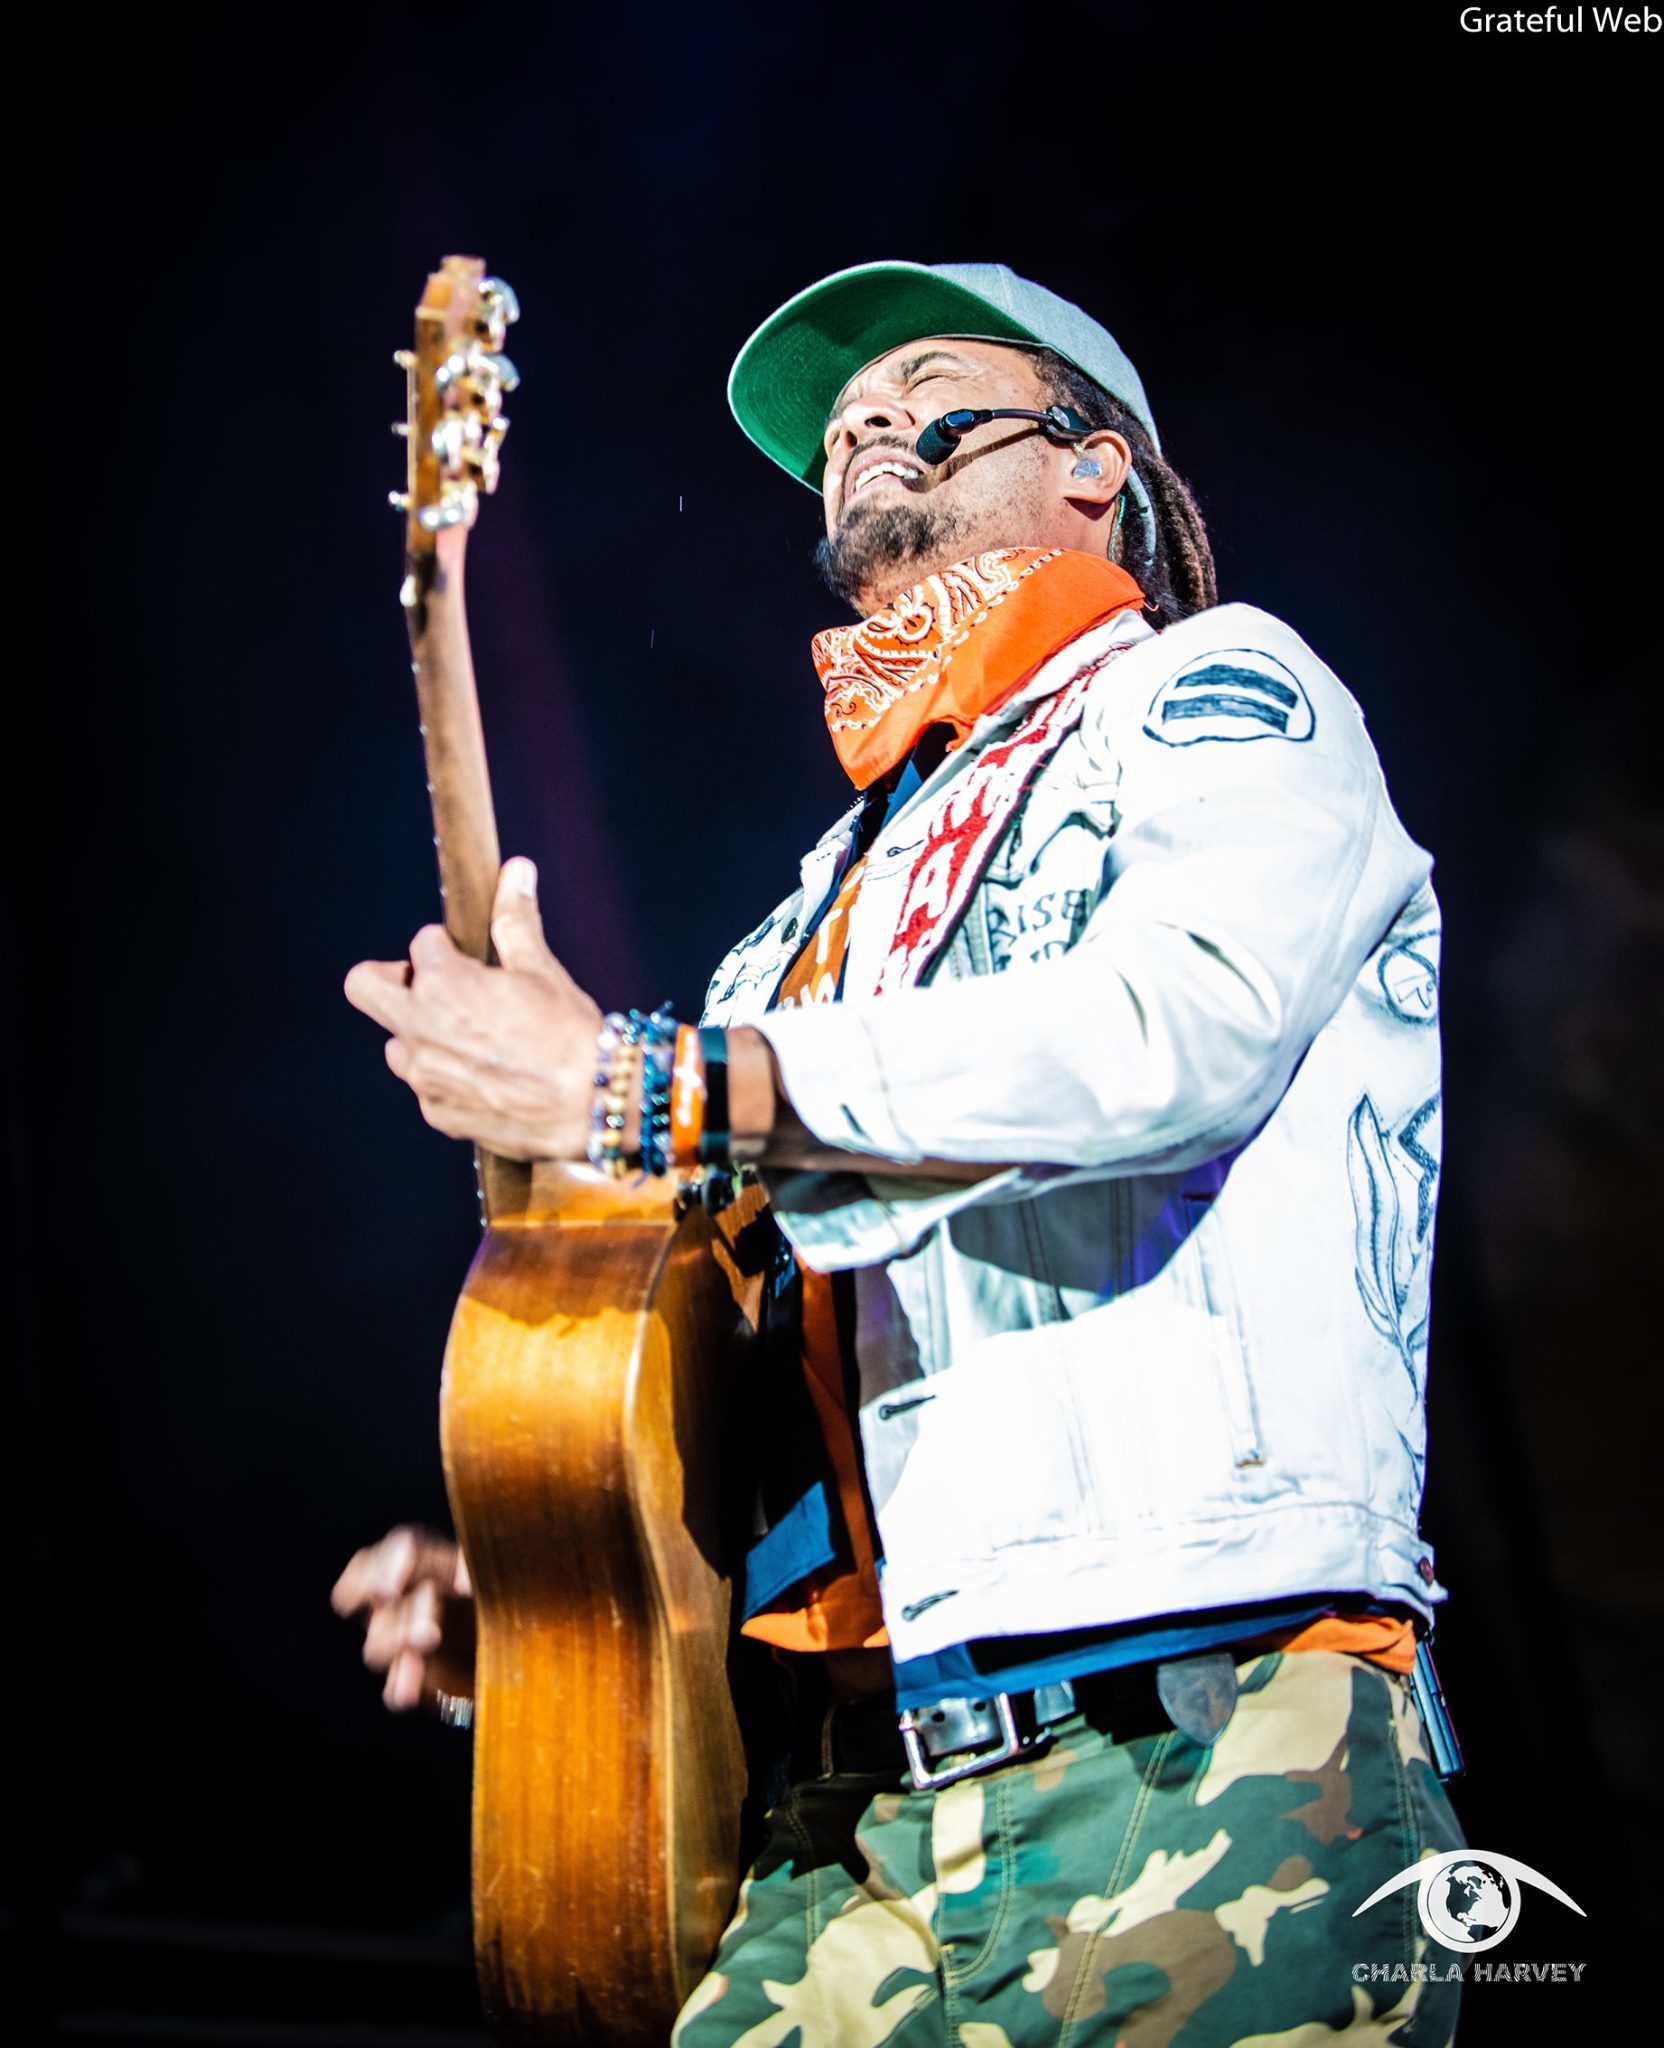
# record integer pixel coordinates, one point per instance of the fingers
(503, 1055)
(351, 1591)
(516, 925)
(411, 1553)
(386, 1570)
(400, 1639)
(419, 1616)
(409, 1624)
(379, 989)
(359, 1586)
(404, 1582)
(434, 948)
(446, 1087)
(406, 1682)
(385, 989)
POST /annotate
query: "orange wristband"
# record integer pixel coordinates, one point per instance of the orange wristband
(687, 1097)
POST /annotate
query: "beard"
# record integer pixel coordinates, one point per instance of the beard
(879, 550)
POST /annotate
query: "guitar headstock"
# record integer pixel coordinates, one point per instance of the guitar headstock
(456, 378)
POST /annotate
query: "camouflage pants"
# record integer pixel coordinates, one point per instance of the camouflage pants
(1141, 1892)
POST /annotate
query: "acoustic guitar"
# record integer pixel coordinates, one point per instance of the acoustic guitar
(581, 1414)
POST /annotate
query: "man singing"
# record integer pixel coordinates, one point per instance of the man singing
(1093, 1073)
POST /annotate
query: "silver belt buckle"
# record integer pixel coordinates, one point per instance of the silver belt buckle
(1012, 1744)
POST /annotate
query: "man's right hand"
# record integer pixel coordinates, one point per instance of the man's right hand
(412, 1592)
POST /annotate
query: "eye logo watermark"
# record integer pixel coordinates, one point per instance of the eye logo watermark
(1469, 1899)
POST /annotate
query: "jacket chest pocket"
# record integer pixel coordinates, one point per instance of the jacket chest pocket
(1206, 1264)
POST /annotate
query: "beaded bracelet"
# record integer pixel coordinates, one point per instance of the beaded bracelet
(658, 1053)
(617, 1061)
(634, 1062)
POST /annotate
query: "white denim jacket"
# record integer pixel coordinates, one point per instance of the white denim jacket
(1170, 1353)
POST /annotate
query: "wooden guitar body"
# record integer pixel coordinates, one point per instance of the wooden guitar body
(587, 1395)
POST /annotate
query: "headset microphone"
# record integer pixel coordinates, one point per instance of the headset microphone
(941, 437)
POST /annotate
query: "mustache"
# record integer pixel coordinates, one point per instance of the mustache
(903, 444)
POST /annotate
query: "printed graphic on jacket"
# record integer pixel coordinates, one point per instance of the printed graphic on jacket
(1235, 693)
(1409, 978)
(1393, 1166)
(1036, 930)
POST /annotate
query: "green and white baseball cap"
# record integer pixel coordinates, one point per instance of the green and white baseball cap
(787, 376)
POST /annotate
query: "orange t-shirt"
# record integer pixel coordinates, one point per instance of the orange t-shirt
(840, 1607)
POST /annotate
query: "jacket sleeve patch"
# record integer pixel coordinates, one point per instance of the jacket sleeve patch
(1237, 694)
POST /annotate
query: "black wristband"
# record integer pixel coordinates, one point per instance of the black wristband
(715, 1137)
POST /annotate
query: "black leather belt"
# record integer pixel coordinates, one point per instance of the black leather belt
(961, 1738)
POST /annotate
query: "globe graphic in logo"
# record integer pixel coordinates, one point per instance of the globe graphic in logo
(1468, 1899)
(1469, 1904)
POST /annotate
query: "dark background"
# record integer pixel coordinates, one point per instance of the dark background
(1385, 283)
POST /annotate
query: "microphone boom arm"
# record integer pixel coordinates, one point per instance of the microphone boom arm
(941, 437)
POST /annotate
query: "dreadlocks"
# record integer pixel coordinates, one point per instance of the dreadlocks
(1178, 563)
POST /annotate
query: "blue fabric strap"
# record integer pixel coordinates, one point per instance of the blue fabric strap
(971, 1670)
(798, 1544)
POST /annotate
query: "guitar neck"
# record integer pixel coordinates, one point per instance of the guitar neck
(453, 742)
(459, 785)
(456, 375)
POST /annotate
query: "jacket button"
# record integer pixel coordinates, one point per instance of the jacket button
(1424, 1565)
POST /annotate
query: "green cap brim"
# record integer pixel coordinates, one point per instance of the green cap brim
(788, 375)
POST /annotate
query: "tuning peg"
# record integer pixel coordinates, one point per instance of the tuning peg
(399, 500)
(402, 429)
(456, 507)
(498, 308)
(449, 440)
(404, 358)
(487, 377)
(500, 290)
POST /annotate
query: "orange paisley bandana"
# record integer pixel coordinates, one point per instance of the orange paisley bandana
(957, 645)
